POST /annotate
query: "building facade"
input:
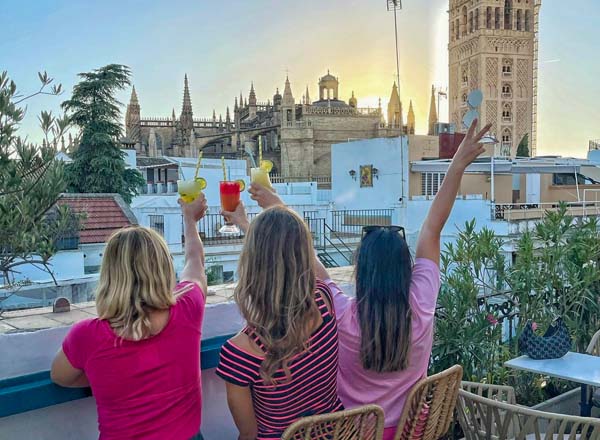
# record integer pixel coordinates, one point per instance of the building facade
(296, 133)
(493, 48)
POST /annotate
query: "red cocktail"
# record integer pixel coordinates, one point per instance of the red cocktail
(230, 199)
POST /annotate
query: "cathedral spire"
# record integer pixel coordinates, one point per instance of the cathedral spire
(227, 117)
(252, 97)
(187, 102)
(433, 116)
(241, 99)
(133, 127)
(307, 95)
(235, 105)
(214, 115)
(288, 98)
(395, 119)
(410, 119)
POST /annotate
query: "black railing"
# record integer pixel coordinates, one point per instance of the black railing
(349, 223)
(326, 240)
(208, 228)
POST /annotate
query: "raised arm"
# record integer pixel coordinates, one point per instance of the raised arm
(265, 199)
(428, 244)
(194, 249)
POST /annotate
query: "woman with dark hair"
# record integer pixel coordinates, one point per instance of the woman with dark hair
(386, 332)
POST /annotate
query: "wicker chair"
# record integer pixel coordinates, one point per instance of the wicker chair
(429, 407)
(362, 423)
(593, 348)
(489, 412)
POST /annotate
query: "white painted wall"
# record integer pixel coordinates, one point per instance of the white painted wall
(388, 155)
(65, 265)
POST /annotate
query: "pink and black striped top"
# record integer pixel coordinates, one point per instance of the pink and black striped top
(312, 387)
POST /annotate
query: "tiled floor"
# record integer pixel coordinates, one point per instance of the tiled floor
(41, 318)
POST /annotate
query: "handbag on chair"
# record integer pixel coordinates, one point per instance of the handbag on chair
(555, 343)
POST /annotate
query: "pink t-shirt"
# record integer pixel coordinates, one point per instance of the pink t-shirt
(357, 386)
(147, 389)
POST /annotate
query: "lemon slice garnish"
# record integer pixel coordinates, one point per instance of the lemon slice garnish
(266, 165)
(242, 184)
(202, 182)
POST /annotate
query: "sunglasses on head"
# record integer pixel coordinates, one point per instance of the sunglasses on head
(398, 229)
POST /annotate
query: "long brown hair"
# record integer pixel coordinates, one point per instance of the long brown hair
(383, 276)
(275, 291)
(137, 276)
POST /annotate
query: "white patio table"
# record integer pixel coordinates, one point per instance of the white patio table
(583, 369)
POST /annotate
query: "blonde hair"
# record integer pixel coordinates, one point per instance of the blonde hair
(275, 291)
(137, 276)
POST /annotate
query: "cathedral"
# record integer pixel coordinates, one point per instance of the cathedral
(296, 134)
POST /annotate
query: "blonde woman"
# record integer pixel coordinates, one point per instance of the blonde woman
(283, 364)
(141, 356)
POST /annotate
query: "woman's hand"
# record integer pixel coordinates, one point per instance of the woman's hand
(194, 210)
(263, 196)
(238, 217)
(470, 148)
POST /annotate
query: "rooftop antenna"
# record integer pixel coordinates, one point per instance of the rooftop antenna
(395, 6)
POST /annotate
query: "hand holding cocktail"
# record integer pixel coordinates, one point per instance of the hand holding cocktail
(229, 191)
(189, 190)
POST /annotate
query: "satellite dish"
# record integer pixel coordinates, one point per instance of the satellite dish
(475, 98)
(470, 116)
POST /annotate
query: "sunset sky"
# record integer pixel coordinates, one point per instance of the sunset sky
(222, 46)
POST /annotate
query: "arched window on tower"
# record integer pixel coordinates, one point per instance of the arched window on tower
(452, 31)
(471, 24)
(464, 100)
(507, 67)
(528, 21)
(457, 29)
(519, 20)
(488, 17)
(506, 142)
(497, 19)
(508, 14)
(465, 75)
(477, 19)
(506, 91)
(464, 21)
(507, 112)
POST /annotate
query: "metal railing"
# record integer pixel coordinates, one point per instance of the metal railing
(349, 223)
(534, 211)
(326, 240)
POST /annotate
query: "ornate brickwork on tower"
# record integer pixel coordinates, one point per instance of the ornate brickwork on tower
(492, 48)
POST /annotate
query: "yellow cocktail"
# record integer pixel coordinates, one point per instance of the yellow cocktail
(189, 190)
(260, 174)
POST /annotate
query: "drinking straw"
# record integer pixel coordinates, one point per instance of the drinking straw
(223, 166)
(198, 165)
(259, 150)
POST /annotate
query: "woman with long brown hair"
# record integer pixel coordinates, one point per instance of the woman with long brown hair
(386, 332)
(283, 364)
(141, 355)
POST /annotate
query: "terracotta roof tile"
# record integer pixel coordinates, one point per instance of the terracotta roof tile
(103, 216)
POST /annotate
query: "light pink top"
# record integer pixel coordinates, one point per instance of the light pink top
(357, 386)
(147, 389)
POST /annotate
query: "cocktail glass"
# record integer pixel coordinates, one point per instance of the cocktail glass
(230, 199)
(260, 175)
(189, 190)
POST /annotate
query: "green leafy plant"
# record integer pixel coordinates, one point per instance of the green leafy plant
(98, 161)
(31, 181)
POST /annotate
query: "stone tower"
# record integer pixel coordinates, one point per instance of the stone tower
(132, 121)
(252, 102)
(493, 47)
(433, 116)
(352, 102)
(395, 109)
(328, 87)
(186, 120)
(410, 120)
